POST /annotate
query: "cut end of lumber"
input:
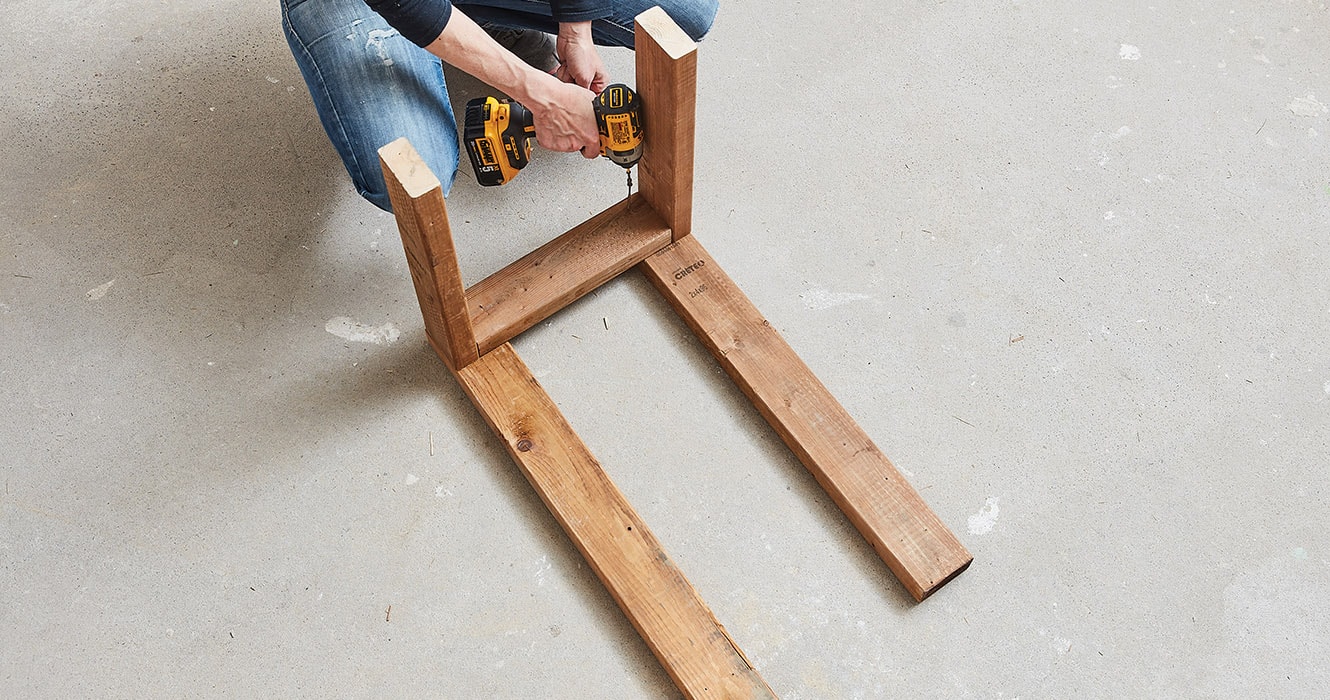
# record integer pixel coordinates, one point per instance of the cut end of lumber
(409, 168)
(923, 594)
(666, 33)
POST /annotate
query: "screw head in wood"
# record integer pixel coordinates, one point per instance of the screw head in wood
(523, 445)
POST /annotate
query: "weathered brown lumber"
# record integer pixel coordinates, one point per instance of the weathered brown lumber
(668, 613)
(563, 270)
(422, 220)
(906, 534)
(667, 84)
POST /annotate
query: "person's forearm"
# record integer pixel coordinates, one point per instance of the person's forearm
(576, 31)
(464, 45)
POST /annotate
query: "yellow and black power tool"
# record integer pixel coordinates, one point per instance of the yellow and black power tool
(498, 134)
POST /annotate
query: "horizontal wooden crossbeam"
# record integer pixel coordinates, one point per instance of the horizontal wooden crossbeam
(560, 272)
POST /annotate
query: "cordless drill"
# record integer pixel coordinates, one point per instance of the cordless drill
(498, 134)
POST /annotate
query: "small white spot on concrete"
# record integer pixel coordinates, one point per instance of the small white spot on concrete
(411, 479)
(819, 299)
(1307, 106)
(4, 308)
(440, 491)
(1327, 387)
(100, 291)
(273, 80)
(1109, 215)
(347, 329)
(1062, 645)
(1121, 132)
(1299, 553)
(982, 523)
(544, 567)
(1260, 58)
(1127, 52)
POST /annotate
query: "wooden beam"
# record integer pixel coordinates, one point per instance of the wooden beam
(668, 613)
(563, 270)
(667, 84)
(422, 220)
(905, 533)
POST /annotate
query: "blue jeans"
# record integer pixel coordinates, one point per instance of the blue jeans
(371, 86)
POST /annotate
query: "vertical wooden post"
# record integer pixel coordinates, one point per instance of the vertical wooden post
(667, 83)
(422, 220)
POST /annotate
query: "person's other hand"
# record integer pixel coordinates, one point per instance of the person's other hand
(579, 63)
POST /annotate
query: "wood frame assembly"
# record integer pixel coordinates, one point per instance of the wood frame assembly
(470, 328)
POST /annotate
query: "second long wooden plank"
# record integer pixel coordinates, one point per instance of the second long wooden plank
(561, 271)
(693, 647)
(904, 531)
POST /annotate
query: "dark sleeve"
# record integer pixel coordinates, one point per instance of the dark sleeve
(420, 21)
(579, 10)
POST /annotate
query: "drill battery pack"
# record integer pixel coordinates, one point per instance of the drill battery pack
(497, 134)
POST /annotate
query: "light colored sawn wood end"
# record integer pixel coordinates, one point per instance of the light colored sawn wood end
(666, 33)
(409, 168)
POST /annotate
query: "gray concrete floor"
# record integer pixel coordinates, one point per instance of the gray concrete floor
(1065, 262)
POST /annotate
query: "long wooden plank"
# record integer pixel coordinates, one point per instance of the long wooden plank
(563, 270)
(667, 83)
(422, 220)
(667, 612)
(902, 529)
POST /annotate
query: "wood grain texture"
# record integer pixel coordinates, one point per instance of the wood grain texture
(667, 84)
(422, 221)
(563, 270)
(902, 529)
(676, 624)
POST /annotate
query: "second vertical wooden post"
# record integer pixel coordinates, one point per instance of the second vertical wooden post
(667, 83)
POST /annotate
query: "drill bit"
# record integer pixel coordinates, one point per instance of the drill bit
(630, 181)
